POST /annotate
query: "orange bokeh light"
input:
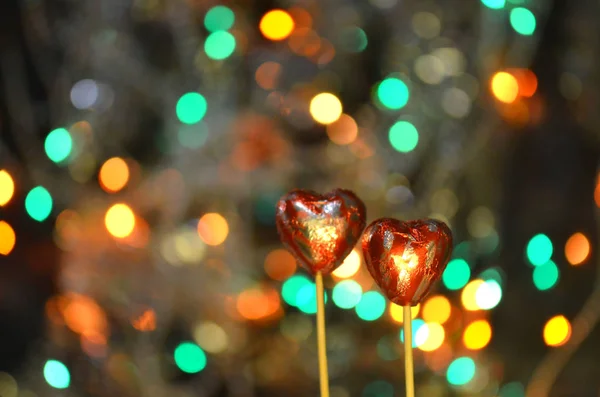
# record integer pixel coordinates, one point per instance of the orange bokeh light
(343, 131)
(84, 316)
(267, 75)
(213, 229)
(145, 322)
(577, 249)
(119, 220)
(7, 187)
(505, 87)
(276, 25)
(258, 303)
(280, 264)
(113, 175)
(527, 81)
(8, 238)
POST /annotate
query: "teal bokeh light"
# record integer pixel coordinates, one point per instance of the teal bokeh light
(57, 374)
(371, 306)
(191, 108)
(38, 203)
(393, 93)
(539, 249)
(58, 145)
(291, 287)
(189, 357)
(461, 371)
(546, 276)
(219, 18)
(457, 274)
(219, 45)
(404, 136)
(347, 294)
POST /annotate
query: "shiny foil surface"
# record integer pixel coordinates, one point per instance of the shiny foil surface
(406, 258)
(320, 230)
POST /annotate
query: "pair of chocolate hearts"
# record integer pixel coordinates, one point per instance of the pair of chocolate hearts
(404, 258)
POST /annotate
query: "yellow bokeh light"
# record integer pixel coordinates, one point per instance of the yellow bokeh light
(477, 335)
(557, 331)
(119, 220)
(114, 175)
(435, 337)
(213, 229)
(276, 25)
(468, 296)
(350, 265)
(397, 313)
(8, 238)
(437, 309)
(505, 87)
(577, 249)
(7, 187)
(325, 108)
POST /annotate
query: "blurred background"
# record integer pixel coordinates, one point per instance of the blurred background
(144, 144)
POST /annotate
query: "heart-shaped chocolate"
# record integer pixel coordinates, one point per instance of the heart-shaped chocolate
(320, 230)
(406, 258)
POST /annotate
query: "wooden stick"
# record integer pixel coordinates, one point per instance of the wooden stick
(321, 344)
(409, 369)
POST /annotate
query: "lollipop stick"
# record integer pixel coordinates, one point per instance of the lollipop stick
(323, 375)
(408, 354)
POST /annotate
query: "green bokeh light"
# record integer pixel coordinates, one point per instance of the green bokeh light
(416, 324)
(393, 93)
(291, 286)
(354, 39)
(462, 251)
(347, 294)
(192, 136)
(404, 136)
(189, 357)
(306, 298)
(513, 389)
(539, 249)
(523, 21)
(191, 108)
(457, 274)
(219, 45)
(219, 18)
(545, 276)
(494, 4)
(57, 374)
(461, 371)
(371, 306)
(379, 388)
(38, 203)
(58, 145)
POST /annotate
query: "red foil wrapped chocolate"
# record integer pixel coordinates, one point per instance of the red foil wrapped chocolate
(320, 230)
(406, 258)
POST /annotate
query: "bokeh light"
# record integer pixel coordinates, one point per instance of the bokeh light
(259, 303)
(539, 249)
(347, 294)
(38, 203)
(488, 295)
(557, 331)
(343, 131)
(457, 274)
(213, 229)
(404, 136)
(577, 249)
(434, 338)
(267, 75)
(397, 312)
(350, 265)
(505, 87)
(523, 21)
(191, 108)
(353, 39)
(8, 238)
(325, 108)
(461, 371)
(113, 175)
(119, 220)
(290, 288)
(512, 389)
(494, 4)
(437, 309)
(468, 296)
(58, 145)
(306, 298)
(219, 45)
(189, 357)
(57, 374)
(477, 335)
(419, 333)
(280, 264)
(276, 25)
(7, 187)
(219, 18)
(211, 337)
(378, 388)
(371, 306)
(393, 93)
(546, 276)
